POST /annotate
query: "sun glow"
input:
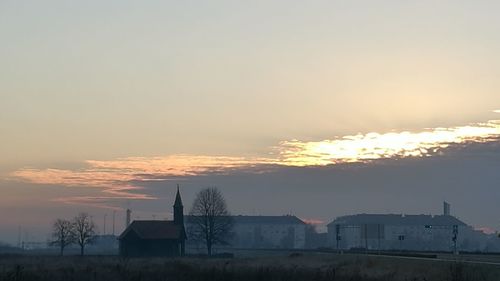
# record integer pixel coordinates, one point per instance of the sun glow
(372, 146)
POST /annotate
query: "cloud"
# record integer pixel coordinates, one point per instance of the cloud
(486, 230)
(102, 202)
(372, 146)
(117, 183)
(124, 178)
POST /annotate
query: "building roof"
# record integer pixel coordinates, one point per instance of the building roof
(155, 229)
(286, 219)
(397, 219)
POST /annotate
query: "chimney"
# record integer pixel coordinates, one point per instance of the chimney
(446, 208)
(127, 221)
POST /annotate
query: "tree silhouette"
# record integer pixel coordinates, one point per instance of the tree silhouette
(84, 230)
(209, 219)
(62, 234)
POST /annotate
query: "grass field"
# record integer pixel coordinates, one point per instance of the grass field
(294, 267)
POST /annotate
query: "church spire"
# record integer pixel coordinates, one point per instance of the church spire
(178, 200)
(179, 219)
(178, 209)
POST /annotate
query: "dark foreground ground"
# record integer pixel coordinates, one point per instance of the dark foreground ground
(293, 267)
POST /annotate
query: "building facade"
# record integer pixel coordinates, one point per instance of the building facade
(286, 232)
(398, 232)
(260, 232)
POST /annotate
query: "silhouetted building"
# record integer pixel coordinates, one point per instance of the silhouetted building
(264, 232)
(392, 231)
(268, 232)
(155, 237)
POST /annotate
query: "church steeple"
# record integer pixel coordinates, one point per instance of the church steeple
(178, 209)
(179, 220)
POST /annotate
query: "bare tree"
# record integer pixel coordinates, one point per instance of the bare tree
(209, 219)
(84, 230)
(62, 234)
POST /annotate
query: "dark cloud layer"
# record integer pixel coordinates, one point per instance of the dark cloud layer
(467, 176)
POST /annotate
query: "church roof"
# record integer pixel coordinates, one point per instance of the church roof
(154, 229)
(398, 219)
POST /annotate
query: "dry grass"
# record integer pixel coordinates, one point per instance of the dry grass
(311, 267)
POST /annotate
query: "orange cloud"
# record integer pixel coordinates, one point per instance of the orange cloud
(486, 230)
(121, 178)
(313, 221)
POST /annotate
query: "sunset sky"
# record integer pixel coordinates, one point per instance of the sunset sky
(316, 109)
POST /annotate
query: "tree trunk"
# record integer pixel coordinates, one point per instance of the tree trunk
(81, 249)
(62, 249)
(209, 248)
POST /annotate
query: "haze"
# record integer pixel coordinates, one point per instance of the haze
(109, 103)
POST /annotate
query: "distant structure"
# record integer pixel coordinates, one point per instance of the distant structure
(396, 232)
(155, 237)
(103, 245)
(127, 219)
(263, 232)
(407, 232)
(286, 232)
(446, 208)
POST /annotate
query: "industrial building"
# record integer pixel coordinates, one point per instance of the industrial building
(404, 232)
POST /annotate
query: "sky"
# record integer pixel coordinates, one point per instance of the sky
(316, 109)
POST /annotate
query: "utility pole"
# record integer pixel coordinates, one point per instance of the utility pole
(114, 213)
(366, 238)
(104, 228)
(19, 237)
(454, 238)
(347, 243)
(378, 236)
(337, 236)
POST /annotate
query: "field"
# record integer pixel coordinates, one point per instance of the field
(290, 267)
